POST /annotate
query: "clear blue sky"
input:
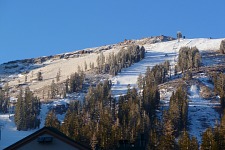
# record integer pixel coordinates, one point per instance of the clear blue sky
(32, 28)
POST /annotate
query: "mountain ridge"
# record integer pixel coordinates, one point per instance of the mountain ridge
(69, 62)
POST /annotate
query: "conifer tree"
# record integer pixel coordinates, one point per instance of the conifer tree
(140, 81)
(27, 110)
(53, 89)
(85, 66)
(39, 76)
(19, 112)
(208, 141)
(185, 142)
(58, 75)
(4, 101)
(189, 58)
(51, 120)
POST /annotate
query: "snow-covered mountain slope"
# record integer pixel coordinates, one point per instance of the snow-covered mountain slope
(68, 63)
(202, 113)
(156, 53)
(174, 46)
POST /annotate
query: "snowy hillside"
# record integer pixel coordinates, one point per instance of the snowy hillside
(174, 46)
(156, 53)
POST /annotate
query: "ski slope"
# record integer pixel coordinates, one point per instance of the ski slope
(156, 53)
(201, 113)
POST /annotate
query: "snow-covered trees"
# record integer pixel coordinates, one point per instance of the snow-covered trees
(27, 110)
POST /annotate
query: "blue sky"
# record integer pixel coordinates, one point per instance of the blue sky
(32, 28)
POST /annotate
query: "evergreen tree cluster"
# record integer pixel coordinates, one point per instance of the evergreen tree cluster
(222, 47)
(27, 110)
(109, 123)
(174, 124)
(123, 59)
(160, 71)
(72, 84)
(218, 80)
(177, 113)
(214, 138)
(106, 122)
(56, 91)
(75, 82)
(4, 102)
(188, 58)
(151, 96)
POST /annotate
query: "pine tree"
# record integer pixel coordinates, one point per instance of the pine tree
(208, 141)
(94, 142)
(58, 76)
(194, 144)
(85, 66)
(140, 82)
(53, 90)
(167, 142)
(185, 142)
(39, 76)
(27, 110)
(19, 112)
(51, 120)
(25, 78)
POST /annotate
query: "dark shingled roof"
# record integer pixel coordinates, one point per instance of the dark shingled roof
(53, 132)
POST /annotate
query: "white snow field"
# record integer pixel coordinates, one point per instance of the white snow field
(155, 55)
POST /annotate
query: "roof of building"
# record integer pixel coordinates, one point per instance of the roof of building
(51, 131)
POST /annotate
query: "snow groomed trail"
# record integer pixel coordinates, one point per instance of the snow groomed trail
(130, 75)
(201, 112)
